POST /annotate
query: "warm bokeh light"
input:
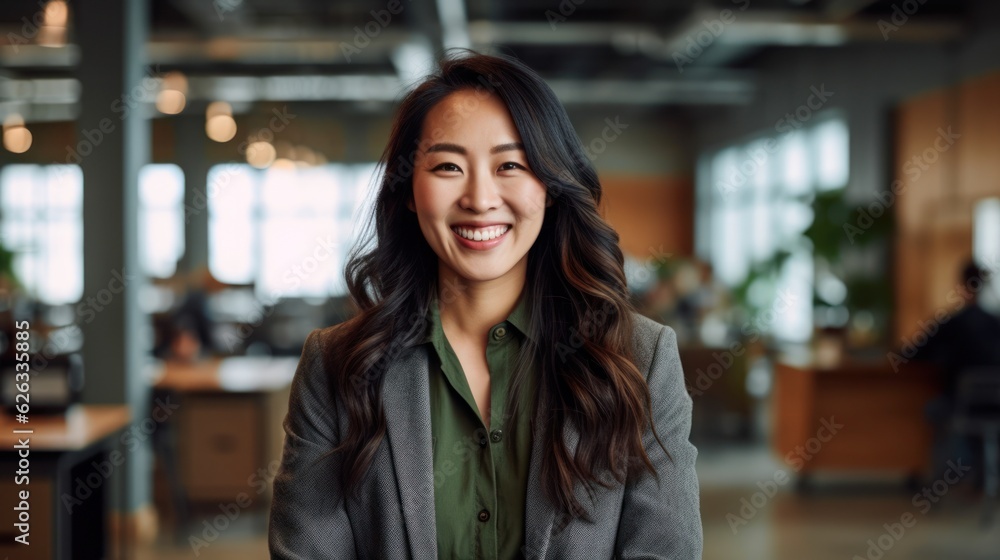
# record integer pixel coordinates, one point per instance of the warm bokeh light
(260, 154)
(52, 32)
(56, 13)
(16, 139)
(170, 101)
(221, 128)
(283, 164)
(172, 97)
(306, 156)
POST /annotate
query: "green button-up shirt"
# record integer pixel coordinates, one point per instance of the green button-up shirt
(480, 472)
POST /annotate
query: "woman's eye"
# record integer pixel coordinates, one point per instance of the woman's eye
(446, 167)
(510, 165)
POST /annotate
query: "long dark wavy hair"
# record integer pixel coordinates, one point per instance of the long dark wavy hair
(580, 344)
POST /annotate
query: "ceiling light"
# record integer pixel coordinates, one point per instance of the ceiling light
(221, 128)
(16, 139)
(170, 101)
(260, 154)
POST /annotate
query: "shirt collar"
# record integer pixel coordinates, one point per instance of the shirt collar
(519, 317)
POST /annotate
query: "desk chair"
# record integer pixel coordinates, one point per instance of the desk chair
(977, 412)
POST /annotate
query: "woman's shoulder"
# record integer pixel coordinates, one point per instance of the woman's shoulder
(647, 336)
(327, 339)
(320, 354)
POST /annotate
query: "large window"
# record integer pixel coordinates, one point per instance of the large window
(41, 222)
(161, 218)
(986, 249)
(287, 231)
(754, 200)
(986, 232)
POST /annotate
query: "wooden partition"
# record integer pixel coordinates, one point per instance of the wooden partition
(856, 416)
(947, 158)
(651, 213)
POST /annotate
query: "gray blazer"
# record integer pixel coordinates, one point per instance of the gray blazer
(394, 517)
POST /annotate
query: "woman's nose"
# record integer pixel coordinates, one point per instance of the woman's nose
(482, 192)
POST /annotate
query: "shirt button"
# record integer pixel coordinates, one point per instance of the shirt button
(496, 435)
(499, 333)
(484, 515)
(482, 442)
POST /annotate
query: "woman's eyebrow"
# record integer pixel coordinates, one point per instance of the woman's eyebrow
(507, 147)
(444, 147)
(455, 148)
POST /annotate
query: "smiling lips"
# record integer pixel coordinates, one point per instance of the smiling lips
(487, 233)
(482, 238)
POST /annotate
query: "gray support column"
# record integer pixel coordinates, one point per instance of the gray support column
(113, 143)
(191, 150)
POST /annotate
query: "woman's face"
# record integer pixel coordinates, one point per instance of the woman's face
(478, 204)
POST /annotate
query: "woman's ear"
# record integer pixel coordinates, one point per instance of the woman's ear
(548, 200)
(409, 204)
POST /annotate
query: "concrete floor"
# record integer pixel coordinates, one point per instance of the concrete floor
(834, 520)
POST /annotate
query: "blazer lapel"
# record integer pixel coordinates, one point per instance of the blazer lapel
(406, 398)
(540, 523)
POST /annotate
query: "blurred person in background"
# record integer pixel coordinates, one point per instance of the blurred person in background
(968, 338)
(561, 431)
(187, 332)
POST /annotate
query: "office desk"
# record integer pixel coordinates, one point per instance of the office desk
(225, 439)
(882, 413)
(68, 493)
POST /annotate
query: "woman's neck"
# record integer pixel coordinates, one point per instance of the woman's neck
(470, 308)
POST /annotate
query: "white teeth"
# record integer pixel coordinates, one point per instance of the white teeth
(482, 234)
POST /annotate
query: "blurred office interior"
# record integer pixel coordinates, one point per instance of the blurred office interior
(798, 186)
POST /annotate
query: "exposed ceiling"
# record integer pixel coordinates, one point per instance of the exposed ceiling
(670, 52)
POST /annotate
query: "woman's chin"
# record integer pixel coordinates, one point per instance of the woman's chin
(481, 272)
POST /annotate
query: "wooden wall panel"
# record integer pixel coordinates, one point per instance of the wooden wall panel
(941, 187)
(979, 124)
(917, 124)
(651, 213)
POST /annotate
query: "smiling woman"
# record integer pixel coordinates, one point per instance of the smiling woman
(496, 396)
(478, 204)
